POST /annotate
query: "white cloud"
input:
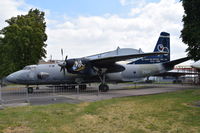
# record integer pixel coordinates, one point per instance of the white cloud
(10, 8)
(132, 2)
(84, 36)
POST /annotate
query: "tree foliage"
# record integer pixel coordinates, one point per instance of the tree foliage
(23, 41)
(191, 28)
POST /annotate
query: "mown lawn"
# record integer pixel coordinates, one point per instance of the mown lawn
(170, 112)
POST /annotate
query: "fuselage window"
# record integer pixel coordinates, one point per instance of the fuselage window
(51, 65)
(29, 68)
(26, 68)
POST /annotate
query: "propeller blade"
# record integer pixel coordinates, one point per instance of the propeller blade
(61, 69)
(63, 65)
(65, 58)
(64, 71)
(61, 51)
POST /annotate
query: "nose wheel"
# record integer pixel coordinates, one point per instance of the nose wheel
(30, 90)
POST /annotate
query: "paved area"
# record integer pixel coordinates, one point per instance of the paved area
(127, 90)
(17, 95)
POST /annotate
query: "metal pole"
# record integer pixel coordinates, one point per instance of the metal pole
(0, 96)
(27, 95)
(54, 93)
(98, 91)
(1, 100)
(77, 92)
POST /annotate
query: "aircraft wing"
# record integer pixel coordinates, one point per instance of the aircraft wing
(82, 65)
(175, 74)
(113, 59)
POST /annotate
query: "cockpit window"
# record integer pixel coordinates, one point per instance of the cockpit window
(29, 67)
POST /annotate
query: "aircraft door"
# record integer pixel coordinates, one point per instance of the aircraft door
(31, 76)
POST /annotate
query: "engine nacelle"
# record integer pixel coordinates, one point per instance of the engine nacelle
(78, 66)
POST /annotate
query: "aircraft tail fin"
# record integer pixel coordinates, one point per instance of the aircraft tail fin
(162, 45)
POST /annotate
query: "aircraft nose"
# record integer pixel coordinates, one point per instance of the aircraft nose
(20, 77)
(11, 78)
(16, 77)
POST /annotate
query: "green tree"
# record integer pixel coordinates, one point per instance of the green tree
(191, 29)
(23, 41)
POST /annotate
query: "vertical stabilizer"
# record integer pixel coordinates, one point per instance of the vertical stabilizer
(162, 45)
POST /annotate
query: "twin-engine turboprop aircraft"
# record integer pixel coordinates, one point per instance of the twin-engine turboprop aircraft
(104, 67)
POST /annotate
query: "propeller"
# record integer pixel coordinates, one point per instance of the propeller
(71, 65)
(63, 65)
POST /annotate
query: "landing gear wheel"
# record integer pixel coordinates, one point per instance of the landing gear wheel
(82, 87)
(73, 87)
(30, 89)
(103, 87)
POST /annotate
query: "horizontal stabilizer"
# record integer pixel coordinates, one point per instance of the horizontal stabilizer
(170, 65)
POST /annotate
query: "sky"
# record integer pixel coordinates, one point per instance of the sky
(86, 27)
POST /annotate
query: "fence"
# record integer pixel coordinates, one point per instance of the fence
(19, 94)
(57, 94)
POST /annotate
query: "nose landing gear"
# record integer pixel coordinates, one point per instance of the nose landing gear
(30, 90)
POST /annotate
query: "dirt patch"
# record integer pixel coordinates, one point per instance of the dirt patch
(20, 129)
(193, 104)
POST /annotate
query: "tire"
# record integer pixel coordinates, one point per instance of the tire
(30, 90)
(73, 87)
(103, 87)
(82, 87)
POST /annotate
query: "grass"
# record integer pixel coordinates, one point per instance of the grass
(169, 112)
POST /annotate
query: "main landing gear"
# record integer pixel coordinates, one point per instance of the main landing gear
(103, 87)
(82, 87)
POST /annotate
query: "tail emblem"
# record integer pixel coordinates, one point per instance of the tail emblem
(161, 48)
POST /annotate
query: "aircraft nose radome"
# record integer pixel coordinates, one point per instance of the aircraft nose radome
(11, 78)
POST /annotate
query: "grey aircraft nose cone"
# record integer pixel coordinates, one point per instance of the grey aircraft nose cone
(11, 78)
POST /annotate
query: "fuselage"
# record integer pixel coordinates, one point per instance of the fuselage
(196, 64)
(51, 74)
